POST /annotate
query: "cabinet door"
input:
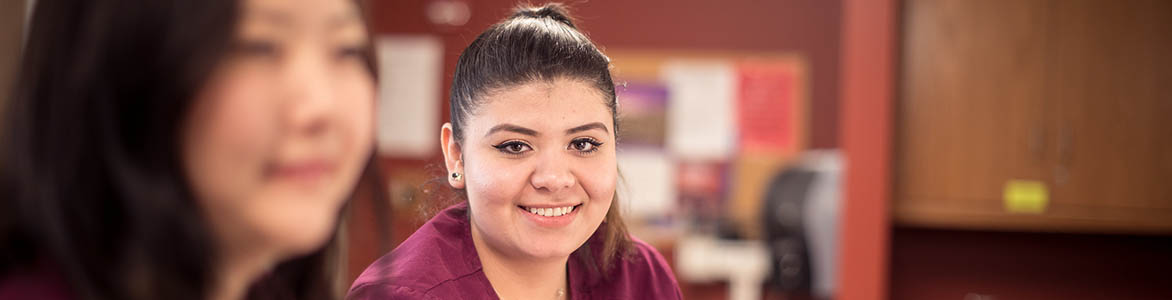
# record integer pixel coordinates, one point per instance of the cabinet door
(1111, 80)
(972, 113)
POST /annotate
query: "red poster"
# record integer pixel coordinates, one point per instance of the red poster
(768, 106)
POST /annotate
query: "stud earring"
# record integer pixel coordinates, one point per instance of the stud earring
(456, 176)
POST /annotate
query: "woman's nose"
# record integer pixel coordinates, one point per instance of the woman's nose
(553, 173)
(309, 92)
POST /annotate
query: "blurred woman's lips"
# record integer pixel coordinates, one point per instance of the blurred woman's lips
(308, 171)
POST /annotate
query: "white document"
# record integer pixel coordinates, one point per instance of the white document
(700, 110)
(410, 70)
(649, 188)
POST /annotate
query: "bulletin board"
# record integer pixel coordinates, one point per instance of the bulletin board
(728, 121)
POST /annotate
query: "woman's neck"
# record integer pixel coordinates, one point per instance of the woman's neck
(521, 278)
(236, 272)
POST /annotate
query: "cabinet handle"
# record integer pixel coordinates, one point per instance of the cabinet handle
(1037, 143)
(1065, 156)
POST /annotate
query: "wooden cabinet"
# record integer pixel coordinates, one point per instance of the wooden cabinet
(1075, 95)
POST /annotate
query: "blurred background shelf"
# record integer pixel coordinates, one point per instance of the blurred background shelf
(990, 215)
(1075, 96)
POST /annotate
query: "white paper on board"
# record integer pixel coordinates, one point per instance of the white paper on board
(700, 113)
(410, 70)
(648, 189)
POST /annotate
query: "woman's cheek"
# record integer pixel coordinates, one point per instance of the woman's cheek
(600, 177)
(498, 181)
(357, 118)
(232, 132)
(229, 135)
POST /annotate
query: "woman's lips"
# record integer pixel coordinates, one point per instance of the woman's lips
(304, 172)
(550, 215)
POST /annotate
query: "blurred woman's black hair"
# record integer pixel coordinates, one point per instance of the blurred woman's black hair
(91, 182)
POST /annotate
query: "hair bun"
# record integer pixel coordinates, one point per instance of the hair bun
(556, 11)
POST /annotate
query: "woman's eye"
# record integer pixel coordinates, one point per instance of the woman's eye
(513, 147)
(350, 52)
(258, 48)
(585, 145)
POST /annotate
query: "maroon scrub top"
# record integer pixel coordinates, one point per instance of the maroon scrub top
(439, 261)
(41, 281)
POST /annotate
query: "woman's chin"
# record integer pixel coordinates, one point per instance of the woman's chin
(551, 249)
(548, 254)
(296, 248)
(304, 235)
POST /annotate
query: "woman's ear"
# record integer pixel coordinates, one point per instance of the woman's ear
(453, 156)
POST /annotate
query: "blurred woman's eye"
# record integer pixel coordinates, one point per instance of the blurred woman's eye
(585, 145)
(351, 52)
(513, 147)
(258, 48)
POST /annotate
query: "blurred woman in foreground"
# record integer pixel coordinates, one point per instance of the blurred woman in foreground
(183, 149)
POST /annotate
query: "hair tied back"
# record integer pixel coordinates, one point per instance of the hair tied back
(555, 11)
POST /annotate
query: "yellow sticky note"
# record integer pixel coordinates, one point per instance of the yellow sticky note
(1026, 196)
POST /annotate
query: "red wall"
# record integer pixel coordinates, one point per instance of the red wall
(868, 85)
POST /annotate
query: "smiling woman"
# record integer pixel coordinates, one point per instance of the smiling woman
(531, 147)
(166, 149)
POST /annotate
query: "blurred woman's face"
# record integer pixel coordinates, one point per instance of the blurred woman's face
(539, 168)
(277, 138)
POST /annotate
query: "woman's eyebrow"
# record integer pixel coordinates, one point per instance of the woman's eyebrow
(269, 16)
(595, 125)
(512, 128)
(343, 19)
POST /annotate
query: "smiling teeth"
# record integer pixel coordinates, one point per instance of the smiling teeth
(551, 212)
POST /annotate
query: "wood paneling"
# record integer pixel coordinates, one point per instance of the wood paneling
(1111, 74)
(971, 116)
(1072, 94)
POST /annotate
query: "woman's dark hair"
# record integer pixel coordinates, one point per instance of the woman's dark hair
(91, 179)
(538, 44)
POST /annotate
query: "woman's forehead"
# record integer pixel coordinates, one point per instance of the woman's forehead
(544, 106)
(302, 14)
